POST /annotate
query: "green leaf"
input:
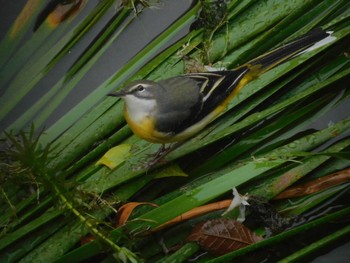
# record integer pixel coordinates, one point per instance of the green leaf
(172, 170)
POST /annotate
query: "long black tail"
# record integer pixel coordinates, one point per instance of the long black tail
(296, 46)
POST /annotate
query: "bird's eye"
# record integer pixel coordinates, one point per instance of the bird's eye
(140, 88)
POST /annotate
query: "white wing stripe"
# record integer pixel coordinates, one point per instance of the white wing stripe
(217, 83)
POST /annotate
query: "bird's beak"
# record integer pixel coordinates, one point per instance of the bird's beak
(119, 93)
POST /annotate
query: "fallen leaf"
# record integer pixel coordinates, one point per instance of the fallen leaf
(115, 156)
(125, 211)
(170, 171)
(223, 235)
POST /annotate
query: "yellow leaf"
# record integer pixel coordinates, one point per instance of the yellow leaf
(115, 156)
(170, 171)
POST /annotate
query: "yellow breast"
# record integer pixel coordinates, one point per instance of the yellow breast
(145, 129)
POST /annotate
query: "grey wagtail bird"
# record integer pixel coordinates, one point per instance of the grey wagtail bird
(177, 108)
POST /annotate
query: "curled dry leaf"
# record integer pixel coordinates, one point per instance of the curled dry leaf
(221, 236)
(125, 211)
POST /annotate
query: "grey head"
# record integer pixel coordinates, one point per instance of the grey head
(141, 99)
(142, 89)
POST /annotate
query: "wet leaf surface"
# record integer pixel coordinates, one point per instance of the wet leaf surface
(317, 185)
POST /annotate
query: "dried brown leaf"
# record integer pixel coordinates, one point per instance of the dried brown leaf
(125, 211)
(221, 236)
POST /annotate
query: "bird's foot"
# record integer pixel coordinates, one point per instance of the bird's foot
(155, 158)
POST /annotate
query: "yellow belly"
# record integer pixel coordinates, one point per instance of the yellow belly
(145, 129)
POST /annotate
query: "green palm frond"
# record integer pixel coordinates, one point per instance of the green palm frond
(53, 191)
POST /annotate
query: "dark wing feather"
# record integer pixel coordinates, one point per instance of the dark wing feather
(203, 94)
(178, 103)
(216, 87)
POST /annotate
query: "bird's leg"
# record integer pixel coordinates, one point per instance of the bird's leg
(159, 155)
(164, 150)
